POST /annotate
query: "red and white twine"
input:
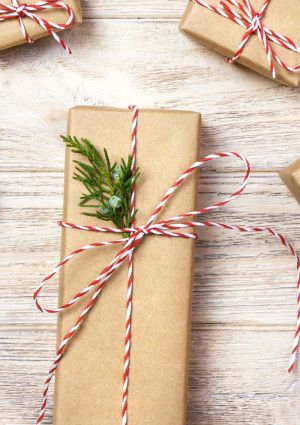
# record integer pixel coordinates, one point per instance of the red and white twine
(130, 276)
(244, 14)
(172, 227)
(18, 11)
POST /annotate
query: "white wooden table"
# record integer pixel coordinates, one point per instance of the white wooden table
(244, 293)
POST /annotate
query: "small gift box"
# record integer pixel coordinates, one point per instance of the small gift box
(88, 386)
(291, 178)
(25, 22)
(263, 35)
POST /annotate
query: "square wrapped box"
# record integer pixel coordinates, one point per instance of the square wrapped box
(224, 35)
(10, 32)
(88, 387)
(291, 178)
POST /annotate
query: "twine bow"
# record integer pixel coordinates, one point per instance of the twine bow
(245, 15)
(172, 227)
(19, 11)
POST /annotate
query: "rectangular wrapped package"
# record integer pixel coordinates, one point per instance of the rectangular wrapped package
(291, 178)
(11, 34)
(224, 35)
(88, 387)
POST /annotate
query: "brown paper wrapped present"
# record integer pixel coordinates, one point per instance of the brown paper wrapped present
(291, 178)
(224, 35)
(88, 386)
(11, 33)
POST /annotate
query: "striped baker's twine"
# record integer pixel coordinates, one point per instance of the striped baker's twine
(19, 11)
(248, 18)
(172, 227)
(127, 341)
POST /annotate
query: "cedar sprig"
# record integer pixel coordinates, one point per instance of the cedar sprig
(108, 186)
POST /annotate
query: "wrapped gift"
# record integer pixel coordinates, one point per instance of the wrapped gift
(263, 35)
(25, 22)
(88, 386)
(291, 177)
(129, 326)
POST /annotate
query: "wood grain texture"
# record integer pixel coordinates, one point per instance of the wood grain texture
(244, 291)
(152, 63)
(130, 9)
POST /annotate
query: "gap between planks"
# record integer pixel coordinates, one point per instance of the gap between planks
(61, 170)
(276, 327)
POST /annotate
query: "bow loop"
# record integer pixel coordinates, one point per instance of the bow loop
(166, 227)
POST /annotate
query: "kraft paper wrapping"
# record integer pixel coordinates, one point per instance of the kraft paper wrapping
(291, 178)
(11, 35)
(224, 35)
(88, 386)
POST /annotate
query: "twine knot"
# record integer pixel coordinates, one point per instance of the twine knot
(20, 9)
(256, 23)
(143, 229)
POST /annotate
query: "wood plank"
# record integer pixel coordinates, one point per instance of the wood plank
(237, 376)
(130, 9)
(112, 65)
(245, 280)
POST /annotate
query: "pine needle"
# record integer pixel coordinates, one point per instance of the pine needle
(108, 187)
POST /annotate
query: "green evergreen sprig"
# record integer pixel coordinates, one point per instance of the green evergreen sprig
(108, 186)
